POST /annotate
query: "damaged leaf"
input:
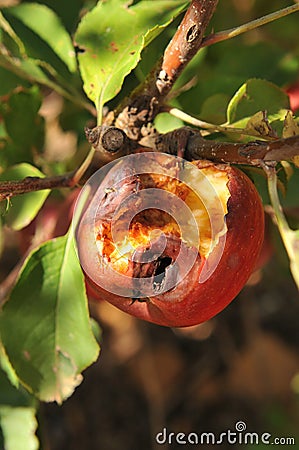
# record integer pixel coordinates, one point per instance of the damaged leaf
(291, 128)
(111, 37)
(49, 349)
(259, 125)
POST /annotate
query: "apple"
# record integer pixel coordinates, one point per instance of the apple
(169, 241)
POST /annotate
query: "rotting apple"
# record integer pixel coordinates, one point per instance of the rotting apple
(169, 241)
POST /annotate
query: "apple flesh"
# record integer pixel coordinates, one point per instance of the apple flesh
(161, 270)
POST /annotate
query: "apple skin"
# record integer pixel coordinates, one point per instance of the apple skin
(190, 302)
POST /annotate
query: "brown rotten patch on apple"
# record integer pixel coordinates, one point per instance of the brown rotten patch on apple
(172, 265)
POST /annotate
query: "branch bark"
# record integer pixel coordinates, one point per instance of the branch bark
(31, 184)
(186, 142)
(132, 120)
(138, 111)
(185, 43)
(251, 153)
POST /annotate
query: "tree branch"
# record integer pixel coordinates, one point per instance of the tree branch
(31, 184)
(139, 110)
(186, 142)
(196, 147)
(185, 43)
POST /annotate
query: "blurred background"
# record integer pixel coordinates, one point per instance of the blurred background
(243, 365)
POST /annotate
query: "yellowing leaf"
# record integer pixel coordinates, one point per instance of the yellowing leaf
(290, 127)
(259, 125)
(18, 428)
(296, 161)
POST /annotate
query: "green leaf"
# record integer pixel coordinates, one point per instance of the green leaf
(68, 15)
(9, 81)
(23, 208)
(54, 341)
(257, 95)
(214, 108)
(12, 396)
(7, 368)
(111, 38)
(165, 122)
(47, 25)
(17, 409)
(21, 116)
(18, 427)
(23, 124)
(28, 69)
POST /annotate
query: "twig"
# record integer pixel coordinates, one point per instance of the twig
(195, 147)
(185, 43)
(31, 184)
(212, 127)
(9, 189)
(232, 32)
(250, 153)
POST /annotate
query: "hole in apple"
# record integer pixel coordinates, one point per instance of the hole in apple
(163, 263)
(160, 272)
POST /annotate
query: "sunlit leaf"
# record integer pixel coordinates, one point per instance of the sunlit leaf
(7, 368)
(18, 428)
(53, 341)
(257, 95)
(47, 25)
(111, 38)
(165, 122)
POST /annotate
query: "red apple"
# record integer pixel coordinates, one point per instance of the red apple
(169, 241)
